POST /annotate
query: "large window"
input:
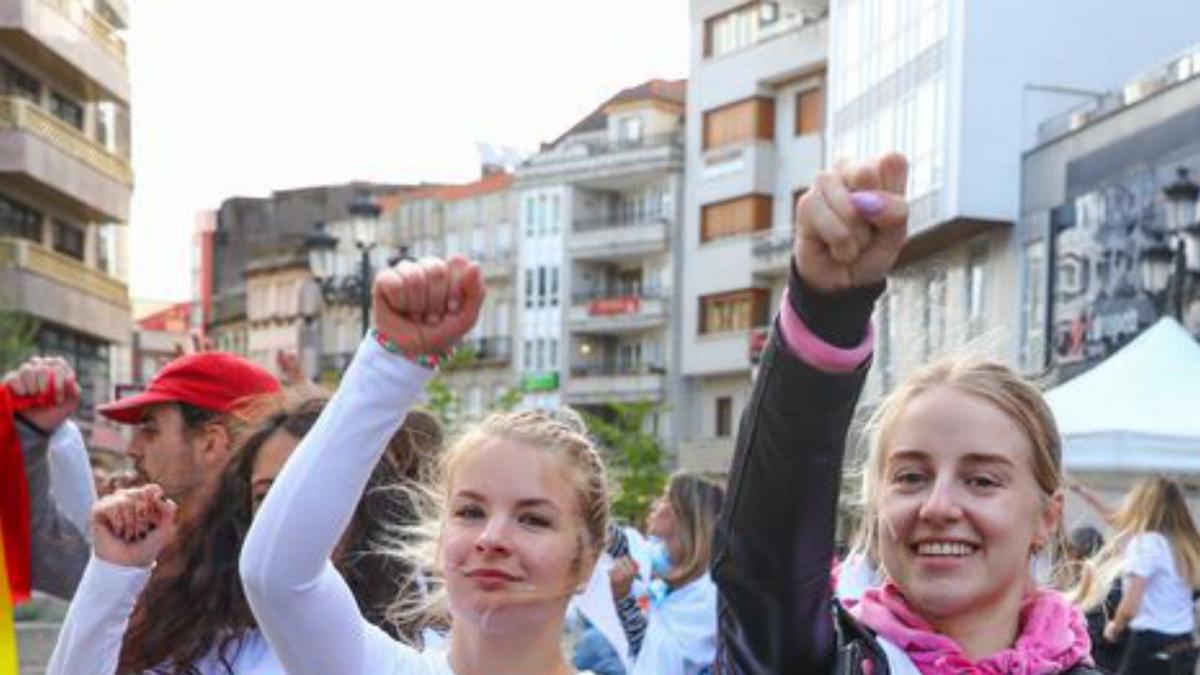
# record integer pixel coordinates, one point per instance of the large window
(750, 213)
(66, 110)
(738, 28)
(723, 417)
(810, 111)
(89, 358)
(16, 82)
(740, 122)
(19, 220)
(734, 311)
(68, 239)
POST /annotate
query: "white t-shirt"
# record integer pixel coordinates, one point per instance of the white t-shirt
(89, 642)
(1167, 604)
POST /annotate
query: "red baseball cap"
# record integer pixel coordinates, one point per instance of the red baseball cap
(211, 380)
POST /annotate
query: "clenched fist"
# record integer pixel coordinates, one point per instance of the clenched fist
(851, 225)
(427, 306)
(132, 526)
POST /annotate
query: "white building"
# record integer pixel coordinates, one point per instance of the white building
(959, 86)
(754, 143)
(600, 208)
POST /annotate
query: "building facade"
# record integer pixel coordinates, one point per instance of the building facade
(756, 115)
(959, 86)
(598, 277)
(66, 181)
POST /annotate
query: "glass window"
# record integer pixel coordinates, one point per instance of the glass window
(16, 82)
(976, 290)
(68, 239)
(66, 110)
(529, 287)
(935, 313)
(19, 220)
(541, 287)
(723, 417)
(1033, 352)
(554, 286)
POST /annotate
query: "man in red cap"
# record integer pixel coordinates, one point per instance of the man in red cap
(185, 436)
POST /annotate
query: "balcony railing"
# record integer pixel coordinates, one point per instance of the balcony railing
(100, 30)
(19, 114)
(63, 270)
(588, 295)
(616, 369)
(489, 349)
(606, 222)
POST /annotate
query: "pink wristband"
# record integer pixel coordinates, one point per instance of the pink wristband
(806, 346)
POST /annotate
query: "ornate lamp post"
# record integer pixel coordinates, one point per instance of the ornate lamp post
(1183, 231)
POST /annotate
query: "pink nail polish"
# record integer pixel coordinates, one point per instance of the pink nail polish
(867, 203)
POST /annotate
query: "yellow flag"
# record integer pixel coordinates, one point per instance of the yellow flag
(8, 637)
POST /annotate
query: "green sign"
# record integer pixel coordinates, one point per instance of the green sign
(540, 382)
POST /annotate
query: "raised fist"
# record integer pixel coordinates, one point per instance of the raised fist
(40, 375)
(851, 225)
(131, 527)
(427, 306)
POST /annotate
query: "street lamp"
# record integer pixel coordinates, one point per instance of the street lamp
(1183, 233)
(323, 257)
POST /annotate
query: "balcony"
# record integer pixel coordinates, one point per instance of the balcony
(600, 311)
(771, 254)
(612, 383)
(67, 32)
(37, 145)
(498, 267)
(601, 163)
(62, 290)
(489, 350)
(611, 238)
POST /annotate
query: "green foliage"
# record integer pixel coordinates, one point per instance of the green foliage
(443, 401)
(18, 338)
(635, 456)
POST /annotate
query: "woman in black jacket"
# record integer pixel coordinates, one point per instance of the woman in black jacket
(962, 482)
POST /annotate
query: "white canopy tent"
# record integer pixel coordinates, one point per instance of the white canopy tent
(1138, 411)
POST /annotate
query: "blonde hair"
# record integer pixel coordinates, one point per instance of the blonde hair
(560, 433)
(1155, 504)
(984, 379)
(696, 504)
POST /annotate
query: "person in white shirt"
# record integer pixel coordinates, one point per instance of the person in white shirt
(156, 602)
(523, 521)
(1156, 553)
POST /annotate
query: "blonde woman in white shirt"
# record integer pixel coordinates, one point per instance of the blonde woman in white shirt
(1156, 553)
(523, 521)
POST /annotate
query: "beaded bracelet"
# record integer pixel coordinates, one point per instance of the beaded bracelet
(427, 360)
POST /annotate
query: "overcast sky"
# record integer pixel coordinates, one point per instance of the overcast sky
(240, 97)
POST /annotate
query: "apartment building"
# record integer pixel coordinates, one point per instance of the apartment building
(66, 181)
(598, 277)
(479, 220)
(959, 86)
(756, 115)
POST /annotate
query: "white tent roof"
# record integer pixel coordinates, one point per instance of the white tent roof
(1139, 410)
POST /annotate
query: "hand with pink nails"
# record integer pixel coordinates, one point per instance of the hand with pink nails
(426, 307)
(852, 224)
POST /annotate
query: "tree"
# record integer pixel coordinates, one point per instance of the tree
(18, 338)
(635, 455)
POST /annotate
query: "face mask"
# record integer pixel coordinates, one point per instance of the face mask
(660, 557)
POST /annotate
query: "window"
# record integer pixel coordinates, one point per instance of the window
(552, 357)
(503, 240)
(810, 111)
(16, 82)
(554, 286)
(529, 288)
(528, 361)
(736, 29)
(478, 244)
(502, 318)
(66, 110)
(738, 310)
(742, 215)
(105, 241)
(68, 239)
(542, 214)
(976, 291)
(723, 419)
(629, 129)
(554, 215)
(530, 215)
(19, 220)
(541, 353)
(1033, 352)
(740, 122)
(541, 287)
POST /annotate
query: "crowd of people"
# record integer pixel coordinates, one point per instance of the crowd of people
(277, 528)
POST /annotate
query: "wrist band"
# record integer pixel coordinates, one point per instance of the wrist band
(426, 360)
(805, 345)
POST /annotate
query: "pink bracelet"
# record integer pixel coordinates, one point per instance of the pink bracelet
(806, 346)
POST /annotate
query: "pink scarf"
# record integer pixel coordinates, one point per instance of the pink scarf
(1053, 636)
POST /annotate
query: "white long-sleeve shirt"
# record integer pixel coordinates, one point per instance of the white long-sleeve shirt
(302, 604)
(89, 642)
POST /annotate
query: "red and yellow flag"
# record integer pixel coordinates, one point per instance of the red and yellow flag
(9, 663)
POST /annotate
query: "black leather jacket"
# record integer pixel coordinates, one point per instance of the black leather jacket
(774, 542)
